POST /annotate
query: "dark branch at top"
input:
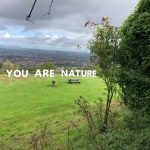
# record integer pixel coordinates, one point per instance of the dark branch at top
(28, 17)
(50, 7)
(30, 13)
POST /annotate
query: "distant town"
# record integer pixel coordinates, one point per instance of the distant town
(34, 58)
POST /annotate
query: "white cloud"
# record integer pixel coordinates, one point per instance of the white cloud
(6, 35)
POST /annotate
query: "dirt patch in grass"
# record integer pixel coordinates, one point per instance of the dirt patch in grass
(6, 79)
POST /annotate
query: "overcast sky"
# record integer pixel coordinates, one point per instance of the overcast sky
(63, 29)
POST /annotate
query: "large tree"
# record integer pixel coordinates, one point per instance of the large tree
(135, 58)
(103, 47)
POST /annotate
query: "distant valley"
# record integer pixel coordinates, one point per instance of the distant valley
(29, 57)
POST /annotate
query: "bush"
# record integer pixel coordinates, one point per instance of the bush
(126, 130)
(134, 59)
(7, 65)
(48, 65)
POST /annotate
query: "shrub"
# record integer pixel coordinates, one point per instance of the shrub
(134, 58)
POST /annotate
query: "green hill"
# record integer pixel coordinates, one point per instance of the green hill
(26, 103)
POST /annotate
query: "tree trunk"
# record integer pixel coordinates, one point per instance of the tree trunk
(109, 99)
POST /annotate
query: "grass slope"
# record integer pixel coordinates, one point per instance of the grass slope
(25, 103)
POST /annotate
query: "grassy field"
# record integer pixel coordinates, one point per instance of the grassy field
(26, 103)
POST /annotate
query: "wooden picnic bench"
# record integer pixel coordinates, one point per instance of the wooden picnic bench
(74, 81)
